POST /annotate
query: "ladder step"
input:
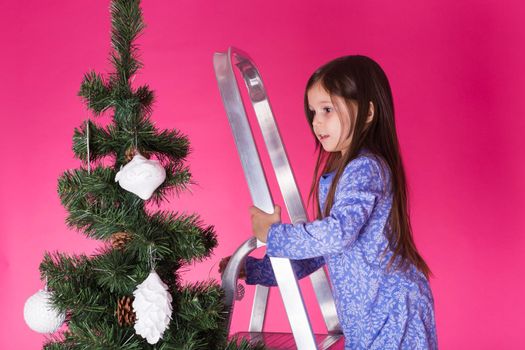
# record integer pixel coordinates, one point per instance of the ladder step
(285, 341)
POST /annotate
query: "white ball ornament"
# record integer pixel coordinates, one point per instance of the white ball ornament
(141, 176)
(40, 315)
(152, 305)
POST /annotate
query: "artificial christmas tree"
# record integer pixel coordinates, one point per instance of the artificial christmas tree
(129, 295)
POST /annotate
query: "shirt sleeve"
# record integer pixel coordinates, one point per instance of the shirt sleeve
(356, 194)
(260, 271)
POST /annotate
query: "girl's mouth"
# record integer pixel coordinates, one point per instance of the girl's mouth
(323, 137)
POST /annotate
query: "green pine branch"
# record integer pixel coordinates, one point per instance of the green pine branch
(73, 286)
(169, 146)
(118, 272)
(178, 180)
(96, 93)
(126, 26)
(100, 143)
(186, 235)
(86, 336)
(166, 145)
(96, 205)
(78, 189)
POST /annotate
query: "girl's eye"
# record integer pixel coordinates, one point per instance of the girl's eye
(327, 109)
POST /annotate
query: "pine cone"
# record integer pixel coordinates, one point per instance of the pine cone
(131, 151)
(125, 314)
(120, 239)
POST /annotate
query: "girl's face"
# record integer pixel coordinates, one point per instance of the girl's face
(331, 121)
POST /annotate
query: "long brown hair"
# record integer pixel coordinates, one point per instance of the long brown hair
(359, 79)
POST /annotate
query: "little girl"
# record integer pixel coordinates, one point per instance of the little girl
(362, 231)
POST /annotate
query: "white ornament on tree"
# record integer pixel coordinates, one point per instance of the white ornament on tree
(40, 314)
(141, 176)
(152, 307)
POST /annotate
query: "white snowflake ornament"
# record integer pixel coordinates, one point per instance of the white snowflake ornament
(141, 176)
(40, 315)
(152, 307)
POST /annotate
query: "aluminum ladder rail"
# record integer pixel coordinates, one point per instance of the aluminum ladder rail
(262, 198)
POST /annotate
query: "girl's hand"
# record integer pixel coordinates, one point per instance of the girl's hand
(224, 263)
(261, 221)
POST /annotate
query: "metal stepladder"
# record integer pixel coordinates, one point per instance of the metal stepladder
(302, 336)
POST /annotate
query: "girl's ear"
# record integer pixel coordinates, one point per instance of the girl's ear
(370, 113)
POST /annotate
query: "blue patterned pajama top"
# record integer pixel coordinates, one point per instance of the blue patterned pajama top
(377, 309)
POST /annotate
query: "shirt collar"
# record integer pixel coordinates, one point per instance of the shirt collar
(327, 176)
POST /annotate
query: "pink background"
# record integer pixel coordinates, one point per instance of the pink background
(456, 70)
